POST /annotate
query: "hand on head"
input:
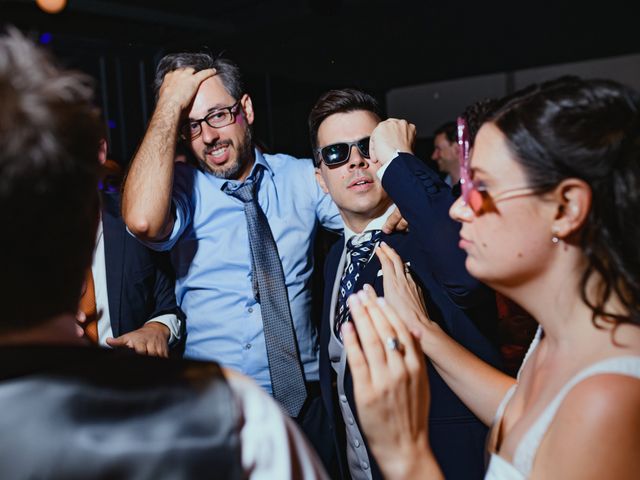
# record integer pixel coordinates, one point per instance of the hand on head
(389, 137)
(179, 86)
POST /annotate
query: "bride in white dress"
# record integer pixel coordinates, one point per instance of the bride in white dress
(550, 217)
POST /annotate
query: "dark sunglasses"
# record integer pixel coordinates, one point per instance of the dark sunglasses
(339, 153)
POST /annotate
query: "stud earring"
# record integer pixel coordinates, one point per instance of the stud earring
(554, 233)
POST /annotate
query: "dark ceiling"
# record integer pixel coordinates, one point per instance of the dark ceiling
(374, 44)
(292, 51)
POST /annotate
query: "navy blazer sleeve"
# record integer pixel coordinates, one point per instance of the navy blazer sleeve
(424, 201)
(140, 281)
(164, 287)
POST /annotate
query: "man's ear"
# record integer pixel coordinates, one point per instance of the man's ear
(320, 180)
(247, 107)
(573, 198)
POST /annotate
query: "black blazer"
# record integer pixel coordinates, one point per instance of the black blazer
(140, 282)
(454, 299)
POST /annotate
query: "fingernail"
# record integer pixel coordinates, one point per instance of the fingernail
(367, 287)
(347, 327)
(381, 301)
(383, 243)
(353, 300)
(363, 295)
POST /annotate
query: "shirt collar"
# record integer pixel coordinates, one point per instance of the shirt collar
(259, 160)
(375, 224)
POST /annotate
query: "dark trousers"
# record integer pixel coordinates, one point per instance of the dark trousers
(314, 422)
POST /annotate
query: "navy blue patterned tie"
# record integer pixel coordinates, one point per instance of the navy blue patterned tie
(360, 249)
(287, 378)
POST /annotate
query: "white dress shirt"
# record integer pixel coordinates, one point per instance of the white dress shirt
(271, 444)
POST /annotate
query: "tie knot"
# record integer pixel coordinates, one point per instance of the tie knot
(244, 192)
(361, 246)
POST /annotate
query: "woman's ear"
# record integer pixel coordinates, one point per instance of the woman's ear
(573, 197)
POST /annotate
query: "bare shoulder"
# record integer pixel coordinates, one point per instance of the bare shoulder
(596, 431)
(603, 400)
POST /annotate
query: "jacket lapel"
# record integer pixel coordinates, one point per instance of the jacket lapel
(332, 262)
(114, 254)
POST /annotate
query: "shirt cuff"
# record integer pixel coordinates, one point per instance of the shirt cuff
(172, 322)
(383, 168)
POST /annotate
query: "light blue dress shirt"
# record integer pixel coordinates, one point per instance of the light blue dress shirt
(210, 251)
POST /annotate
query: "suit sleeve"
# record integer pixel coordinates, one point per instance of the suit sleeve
(424, 200)
(166, 310)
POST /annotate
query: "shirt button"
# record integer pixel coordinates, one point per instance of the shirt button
(250, 309)
(365, 465)
(247, 346)
(356, 443)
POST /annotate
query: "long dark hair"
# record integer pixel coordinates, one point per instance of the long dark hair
(590, 130)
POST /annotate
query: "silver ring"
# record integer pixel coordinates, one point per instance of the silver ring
(394, 344)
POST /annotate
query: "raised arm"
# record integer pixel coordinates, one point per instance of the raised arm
(146, 199)
(424, 201)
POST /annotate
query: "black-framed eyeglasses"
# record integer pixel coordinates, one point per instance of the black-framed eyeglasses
(339, 153)
(217, 119)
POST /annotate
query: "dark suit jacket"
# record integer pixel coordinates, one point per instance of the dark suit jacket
(140, 282)
(454, 299)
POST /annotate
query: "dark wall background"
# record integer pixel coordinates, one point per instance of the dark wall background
(293, 50)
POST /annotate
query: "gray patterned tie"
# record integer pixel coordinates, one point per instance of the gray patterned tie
(287, 379)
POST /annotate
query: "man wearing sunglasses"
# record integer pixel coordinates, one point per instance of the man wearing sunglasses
(350, 146)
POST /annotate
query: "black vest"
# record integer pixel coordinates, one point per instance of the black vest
(74, 412)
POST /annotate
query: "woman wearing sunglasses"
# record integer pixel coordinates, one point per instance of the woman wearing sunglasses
(549, 216)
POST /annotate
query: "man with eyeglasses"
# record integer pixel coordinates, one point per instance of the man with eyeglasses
(69, 409)
(240, 227)
(367, 168)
